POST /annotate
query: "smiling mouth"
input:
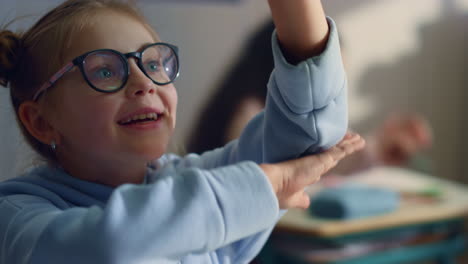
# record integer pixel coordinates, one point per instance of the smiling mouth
(143, 118)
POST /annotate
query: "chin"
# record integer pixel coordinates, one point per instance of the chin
(152, 154)
(147, 149)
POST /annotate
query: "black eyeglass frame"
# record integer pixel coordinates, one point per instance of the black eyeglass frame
(79, 62)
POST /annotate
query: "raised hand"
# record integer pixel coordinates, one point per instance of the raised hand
(399, 138)
(289, 178)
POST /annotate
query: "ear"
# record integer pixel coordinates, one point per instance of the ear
(33, 118)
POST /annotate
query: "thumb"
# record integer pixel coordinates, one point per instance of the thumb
(298, 200)
(303, 200)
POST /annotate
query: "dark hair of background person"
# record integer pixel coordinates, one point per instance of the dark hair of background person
(247, 78)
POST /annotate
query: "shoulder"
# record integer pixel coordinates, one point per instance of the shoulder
(26, 191)
(28, 180)
(45, 184)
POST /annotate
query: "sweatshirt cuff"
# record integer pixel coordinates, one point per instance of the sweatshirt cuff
(251, 209)
(314, 82)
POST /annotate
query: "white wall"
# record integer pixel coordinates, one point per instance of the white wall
(399, 54)
(9, 135)
(410, 55)
(15, 155)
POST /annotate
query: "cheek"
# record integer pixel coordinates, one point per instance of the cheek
(96, 119)
(87, 122)
(171, 99)
(175, 101)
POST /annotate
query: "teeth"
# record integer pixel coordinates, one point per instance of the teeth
(153, 116)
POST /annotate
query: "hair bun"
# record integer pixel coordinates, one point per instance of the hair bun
(9, 54)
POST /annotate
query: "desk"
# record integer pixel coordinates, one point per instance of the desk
(439, 216)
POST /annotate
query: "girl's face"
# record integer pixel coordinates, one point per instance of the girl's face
(92, 127)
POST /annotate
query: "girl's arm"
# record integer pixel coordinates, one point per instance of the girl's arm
(306, 104)
(301, 27)
(186, 212)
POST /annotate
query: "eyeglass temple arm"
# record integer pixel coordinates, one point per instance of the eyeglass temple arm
(53, 79)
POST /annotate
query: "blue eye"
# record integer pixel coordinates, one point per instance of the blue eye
(152, 66)
(104, 73)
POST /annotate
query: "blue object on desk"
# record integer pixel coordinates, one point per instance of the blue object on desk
(353, 201)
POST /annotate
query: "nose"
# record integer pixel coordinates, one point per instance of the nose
(138, 83)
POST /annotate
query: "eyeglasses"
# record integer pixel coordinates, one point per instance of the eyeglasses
(107, 70)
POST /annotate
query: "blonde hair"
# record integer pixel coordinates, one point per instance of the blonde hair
(26, 61)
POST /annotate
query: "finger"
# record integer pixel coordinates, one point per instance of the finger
(352, 142)
(303, 201)
(297, 200)
(309, 169)
(339, 152)
(350, 138)
(319, 164)
(349, 134)
(350, 146)
(328, 159)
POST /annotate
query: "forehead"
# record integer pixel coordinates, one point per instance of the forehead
(110, 30)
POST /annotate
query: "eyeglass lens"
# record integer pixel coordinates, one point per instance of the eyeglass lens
(160, 63)
(107, 70)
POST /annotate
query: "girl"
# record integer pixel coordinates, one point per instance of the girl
(91, 84)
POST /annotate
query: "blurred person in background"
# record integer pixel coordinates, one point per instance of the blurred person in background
(241, 95)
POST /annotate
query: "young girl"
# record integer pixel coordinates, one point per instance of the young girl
(91, 84)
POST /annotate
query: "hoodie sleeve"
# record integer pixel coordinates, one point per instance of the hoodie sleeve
(306, 107)
(305, 112)
(192, 212)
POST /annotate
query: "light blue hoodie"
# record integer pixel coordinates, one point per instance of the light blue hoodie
(214, 208)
